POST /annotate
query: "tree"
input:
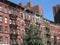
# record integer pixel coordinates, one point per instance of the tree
(32, 36)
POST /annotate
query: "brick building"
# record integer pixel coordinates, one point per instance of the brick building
(15, 19)
(53, 32)
(56, 10)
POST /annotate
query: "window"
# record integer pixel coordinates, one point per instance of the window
(18, 31)
(6, 29)
(6, 10)
(14, 31)
(32, 18)
(48, 43)
(10, 11)
(6, 20)
(18, 18)
(19, 42)
(52, 36)
(55, 38)
(0, 39)
(23, 30)
(0, 8)
(23, 24)
(10, 21)
(18, 27)
(6, 40)
(14, 22)
(47, 29)
(21, 15)
(0, 18)
(18, 23)
(11, 30)
(0, 28)
(29, 17)
(14, 40)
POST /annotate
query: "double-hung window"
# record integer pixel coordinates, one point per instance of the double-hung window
(6, 40)
(6, 10)
(0, 7)
(0, 28)
(6, 20)
(0, 18)
(6, 29)
(0, 39)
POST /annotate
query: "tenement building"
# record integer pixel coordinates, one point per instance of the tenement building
(15, 19)
(56, 10)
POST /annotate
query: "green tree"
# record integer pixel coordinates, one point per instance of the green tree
(32, 36)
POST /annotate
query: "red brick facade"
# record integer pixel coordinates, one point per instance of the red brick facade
(19, 16)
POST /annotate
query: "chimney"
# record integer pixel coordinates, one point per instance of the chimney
(30, 4)
(21, 4)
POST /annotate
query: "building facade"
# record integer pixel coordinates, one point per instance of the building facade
(56, 10)
(15, 19)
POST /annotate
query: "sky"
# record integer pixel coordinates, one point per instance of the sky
(47, 6)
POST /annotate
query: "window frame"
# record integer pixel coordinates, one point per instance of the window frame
(6, 38)
(6, 29)
(0, 18)
(18, 31)
(21, 15)
(6, 9)
(6, 20)
(1, 28)
(1, 39)
(0, 7)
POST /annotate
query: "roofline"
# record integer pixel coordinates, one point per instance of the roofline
(15, 5)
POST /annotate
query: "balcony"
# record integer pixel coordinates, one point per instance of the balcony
(14, 15)
(27, 17)
(13, 18)
(13, 34)
(48, 43)
(38, 23)
(47, 31)
(49, 39)
(48, 35)
(26, 26)
(13, 25)
(13, 42)
(27, 20)
(55, 38)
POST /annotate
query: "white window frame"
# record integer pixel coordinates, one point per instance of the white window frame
(0, 18)
(10, 22)
(6, 20)
(0, 7)
(6, 38)
(1, 28)
(6, 10)
(1, 39)
(22, 14)
(6, 30)
(18, 31)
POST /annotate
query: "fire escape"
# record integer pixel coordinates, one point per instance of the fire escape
(13, 29)
(55, 40)
(48, 35)
(27, 21)
(38, 22)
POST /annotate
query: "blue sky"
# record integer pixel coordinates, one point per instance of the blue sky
(47, 6)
